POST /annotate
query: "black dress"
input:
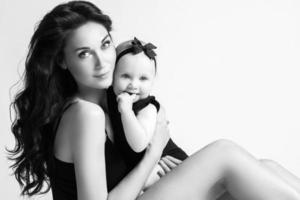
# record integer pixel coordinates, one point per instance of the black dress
(131, 157)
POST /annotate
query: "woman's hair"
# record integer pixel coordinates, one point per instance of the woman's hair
(46, 90)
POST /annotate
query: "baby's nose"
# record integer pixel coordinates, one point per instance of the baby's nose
(133, 84)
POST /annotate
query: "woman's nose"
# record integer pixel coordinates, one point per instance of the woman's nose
(98, 58)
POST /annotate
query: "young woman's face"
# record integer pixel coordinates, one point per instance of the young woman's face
(89, 55)
(134, 74)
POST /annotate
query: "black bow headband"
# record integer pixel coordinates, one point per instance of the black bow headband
(137, 47)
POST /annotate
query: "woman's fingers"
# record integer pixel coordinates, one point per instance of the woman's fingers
(160, 171)
(164, 166)
(161, 135)
(173, 159)
(169, 163)
(161, 116)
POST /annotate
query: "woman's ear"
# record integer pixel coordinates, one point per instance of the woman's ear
(61, 63)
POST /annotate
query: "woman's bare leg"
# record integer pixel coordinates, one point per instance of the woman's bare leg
(244, 177)
(283, 173)
(275, 168)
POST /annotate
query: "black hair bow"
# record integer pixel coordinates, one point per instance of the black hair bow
(138, 47)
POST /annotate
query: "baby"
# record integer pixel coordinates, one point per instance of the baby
(132, 110)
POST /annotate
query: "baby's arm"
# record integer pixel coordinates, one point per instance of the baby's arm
(138, 129)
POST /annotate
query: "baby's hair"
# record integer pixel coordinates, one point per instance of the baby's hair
(134, 47)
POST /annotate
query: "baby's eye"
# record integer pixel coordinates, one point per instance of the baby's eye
(106, 44)
(84, 54)
(125, 76)
(144, 78)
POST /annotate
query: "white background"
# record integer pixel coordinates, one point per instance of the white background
(226, 69)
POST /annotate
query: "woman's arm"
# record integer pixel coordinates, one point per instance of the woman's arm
(87, 137)
(130, 187)
(165, 165)
(138, 129)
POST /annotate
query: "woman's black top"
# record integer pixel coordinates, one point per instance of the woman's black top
(63, 181)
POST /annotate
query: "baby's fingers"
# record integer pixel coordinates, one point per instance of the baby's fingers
(133, 97)
(121, 96)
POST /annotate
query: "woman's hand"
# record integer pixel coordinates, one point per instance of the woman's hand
(168, 163)
(161, 135)
(153, 177)
(164, 166)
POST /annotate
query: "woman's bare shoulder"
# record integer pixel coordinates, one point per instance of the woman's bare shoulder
(82, 108)
(83, 116)
(82, 121)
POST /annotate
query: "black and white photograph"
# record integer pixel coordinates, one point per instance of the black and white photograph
(150, 100)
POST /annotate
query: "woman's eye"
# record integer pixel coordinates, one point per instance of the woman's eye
(106, 44)
(84, 54)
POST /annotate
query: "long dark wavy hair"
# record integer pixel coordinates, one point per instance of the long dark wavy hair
(46, 90)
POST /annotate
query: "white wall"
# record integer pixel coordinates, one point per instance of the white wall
(227, 69)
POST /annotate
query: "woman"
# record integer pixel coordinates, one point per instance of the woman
(64, 137)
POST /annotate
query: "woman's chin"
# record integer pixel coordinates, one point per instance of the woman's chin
(105, 84)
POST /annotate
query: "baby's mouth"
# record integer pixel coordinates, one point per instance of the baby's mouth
(131, 93)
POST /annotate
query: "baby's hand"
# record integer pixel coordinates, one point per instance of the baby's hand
(125, 101)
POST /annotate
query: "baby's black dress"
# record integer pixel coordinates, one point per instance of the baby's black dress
(132, 158)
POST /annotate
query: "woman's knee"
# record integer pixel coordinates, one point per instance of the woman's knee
(268, 162)
(224, 145)
(228, 150)
(222, 152)
(271, 164)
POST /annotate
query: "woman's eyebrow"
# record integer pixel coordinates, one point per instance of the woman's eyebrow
(81, 48)
(86, 48)
(105, 38)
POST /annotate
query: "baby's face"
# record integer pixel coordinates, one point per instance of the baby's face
(134, 74)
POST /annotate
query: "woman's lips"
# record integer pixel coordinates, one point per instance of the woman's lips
(103, 75)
